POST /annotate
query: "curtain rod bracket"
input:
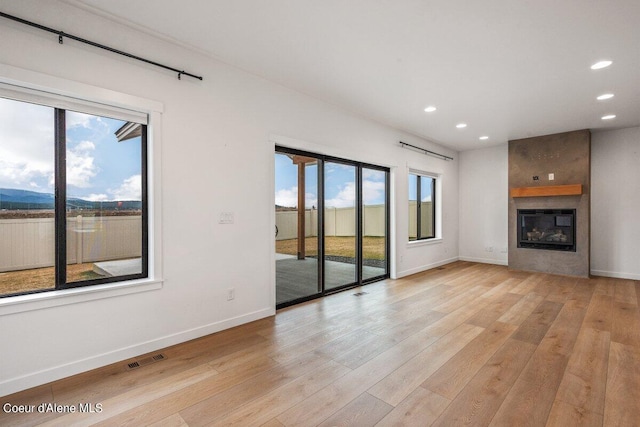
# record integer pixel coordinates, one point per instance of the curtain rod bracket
(425, 151)
(60, 40)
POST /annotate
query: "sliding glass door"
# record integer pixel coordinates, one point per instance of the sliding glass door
(331, 224)
(374, 223)
(296, 232)
(340, 225)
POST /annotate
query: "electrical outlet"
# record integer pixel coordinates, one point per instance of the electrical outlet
(552, 176)
(231, 294)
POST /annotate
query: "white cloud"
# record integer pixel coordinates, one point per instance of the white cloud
(373, 192)
(80, 165)
(130, 189)
(345, 198)
(26, 151)
(96, 197)
(74, 119)
(426, 199)
(289, 198)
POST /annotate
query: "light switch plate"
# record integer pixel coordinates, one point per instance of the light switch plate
(225, 218)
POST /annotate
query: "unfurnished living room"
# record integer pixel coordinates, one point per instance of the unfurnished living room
(315, 213)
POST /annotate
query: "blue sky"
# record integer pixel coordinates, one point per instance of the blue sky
(339, 184)
(98, 166)
(425, 188)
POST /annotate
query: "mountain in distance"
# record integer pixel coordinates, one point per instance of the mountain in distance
(14, 199)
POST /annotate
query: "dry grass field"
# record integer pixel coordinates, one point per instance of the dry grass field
(37, 279)
(372, 247)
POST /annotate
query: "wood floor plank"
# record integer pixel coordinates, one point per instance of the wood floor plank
(175, 401)
(318, 407)
(137, 397)
(28, 398)
(534, 328)
(623, 386)
(531, 398)
(530, 283)
(584, 382)
(625, 292)
(625, 324)
(215, 407)
(261, 410)
(509, 348)
(364, 410)
(565, 415)
(494, 310)
(562, 290)
(454, 375)
(272, 423)
(479, 401)
(519, 312)
(600, 312)
(421, 408)
(174, 420)
(112, 380)
(398, 385)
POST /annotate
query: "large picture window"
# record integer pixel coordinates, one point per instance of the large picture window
(422, 207)
(73, 197)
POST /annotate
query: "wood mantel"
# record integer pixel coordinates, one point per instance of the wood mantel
(547, 190)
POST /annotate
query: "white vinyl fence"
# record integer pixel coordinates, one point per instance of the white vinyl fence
(337, 222)
(29, 243)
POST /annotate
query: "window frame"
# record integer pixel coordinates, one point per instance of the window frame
(21, 84)
(434, 205)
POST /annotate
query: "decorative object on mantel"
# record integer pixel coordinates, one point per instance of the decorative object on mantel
(547, 190)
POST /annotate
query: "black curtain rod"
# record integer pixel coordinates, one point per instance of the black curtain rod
(61, 35)
(442, 156)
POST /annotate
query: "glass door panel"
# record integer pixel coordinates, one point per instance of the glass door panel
(374, 223)
(27, 231)
(296, 233)
(340, 225)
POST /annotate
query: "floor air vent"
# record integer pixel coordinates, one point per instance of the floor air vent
(146, 361)
(359, 294)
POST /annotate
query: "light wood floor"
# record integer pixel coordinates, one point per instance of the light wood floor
(467, 344)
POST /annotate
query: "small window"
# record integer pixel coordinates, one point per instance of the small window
(73, 204)
(422, 207)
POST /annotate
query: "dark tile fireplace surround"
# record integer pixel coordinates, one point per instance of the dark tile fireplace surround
(549, 200)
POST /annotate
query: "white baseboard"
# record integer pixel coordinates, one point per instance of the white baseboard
(425, 267)
(485, 260)
(615, 274)
(34, 379)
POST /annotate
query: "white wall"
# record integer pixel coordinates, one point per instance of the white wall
(217, 156)
(615, 203)
(484, 205)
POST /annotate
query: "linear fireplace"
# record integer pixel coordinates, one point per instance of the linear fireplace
(550, 229)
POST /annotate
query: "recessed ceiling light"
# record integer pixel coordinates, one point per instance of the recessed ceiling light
(430, 109)
(605, 96)
(609, 117)
(483, 138)
(601, 64)
(461, 125)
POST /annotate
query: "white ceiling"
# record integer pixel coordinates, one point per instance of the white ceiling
(508, 68)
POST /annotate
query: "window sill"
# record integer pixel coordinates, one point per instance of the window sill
(42, 300)
(424, 242)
